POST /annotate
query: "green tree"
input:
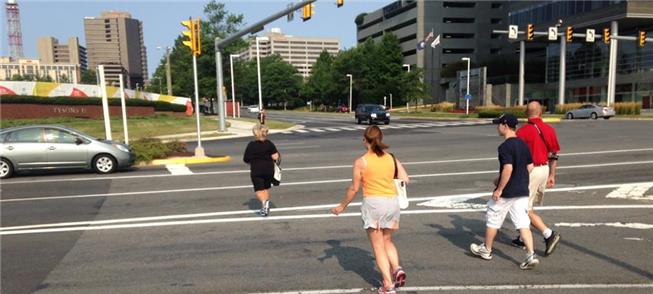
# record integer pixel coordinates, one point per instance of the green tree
(322, 85)
(63, 78)
(281, 82)
(89, 77)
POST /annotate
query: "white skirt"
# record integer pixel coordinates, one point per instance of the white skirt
(380, 212)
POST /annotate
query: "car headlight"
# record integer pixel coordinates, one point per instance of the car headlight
(387, 115)
(373, 115)
(121, 148)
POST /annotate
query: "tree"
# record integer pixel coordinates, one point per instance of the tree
(322, 86)
(63, 78)
(89, 77)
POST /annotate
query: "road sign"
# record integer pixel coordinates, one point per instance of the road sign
(512, 31)
(590, 35)
(468, 97)
(553, 33)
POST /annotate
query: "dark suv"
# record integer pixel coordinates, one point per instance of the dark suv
(371, 113)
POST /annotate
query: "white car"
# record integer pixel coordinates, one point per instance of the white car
(253, 109)
(592, 111)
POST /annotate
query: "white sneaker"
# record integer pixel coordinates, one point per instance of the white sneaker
(480, 251)
(530, 262)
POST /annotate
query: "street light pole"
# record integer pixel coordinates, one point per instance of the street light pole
(258, 71)
(233, 91)
(467, 100)
(168, 78)
(350, 83)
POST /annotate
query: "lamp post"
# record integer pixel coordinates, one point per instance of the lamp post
(258, 71)
(406, 65)
(350, 83)
(168, 77)
(233, 91)
(467, 100)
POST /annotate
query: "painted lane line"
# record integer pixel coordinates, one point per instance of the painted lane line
(292, 217)
(332, 129)
(348, 129)
(635, 192)
(428, 199)
(639, 226)
(313, 167)
(316, 130)
(301, 131)
(633, 239)
(178, 169)
(478, 288)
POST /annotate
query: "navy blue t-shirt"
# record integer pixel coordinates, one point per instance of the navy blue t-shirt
(515, 151)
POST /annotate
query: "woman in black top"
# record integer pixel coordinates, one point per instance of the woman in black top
(260, 155)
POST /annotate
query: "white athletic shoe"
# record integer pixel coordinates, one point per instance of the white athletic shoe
(480, 251)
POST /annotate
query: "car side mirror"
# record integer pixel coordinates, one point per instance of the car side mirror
(79, 141)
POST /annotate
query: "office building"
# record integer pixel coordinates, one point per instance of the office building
(300, 52)
(50, 51)
(115, 39)
(33, 68)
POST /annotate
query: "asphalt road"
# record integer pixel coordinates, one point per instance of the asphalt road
(149, 231)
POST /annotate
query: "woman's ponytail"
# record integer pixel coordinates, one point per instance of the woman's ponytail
(374, 137)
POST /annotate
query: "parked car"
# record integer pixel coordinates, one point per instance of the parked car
(371, 113)
(253, 109)
(56, 147)
(592, 111)
(342, 108)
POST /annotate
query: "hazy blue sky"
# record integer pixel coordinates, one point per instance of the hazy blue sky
(63, 19)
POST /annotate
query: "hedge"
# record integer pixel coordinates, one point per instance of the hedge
(65, 100)
(494, 111)
(443, 107)
(148, 149)
(621, 108)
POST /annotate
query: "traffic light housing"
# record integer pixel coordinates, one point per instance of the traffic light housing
(530, 32)
(606, 35)
(307, 12)
(642, 38)
(569, 34)
(340, 2)
(194, 41)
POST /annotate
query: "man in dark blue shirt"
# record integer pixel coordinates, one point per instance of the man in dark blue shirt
(510, 195)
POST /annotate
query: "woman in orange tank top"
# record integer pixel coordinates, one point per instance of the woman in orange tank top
(380, 208)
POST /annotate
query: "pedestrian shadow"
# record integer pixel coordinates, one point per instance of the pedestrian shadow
(255, 204)
(353, 259)
(629, 267)
(466, 231)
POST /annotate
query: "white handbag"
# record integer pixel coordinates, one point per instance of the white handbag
(277, 173)
(400, 185)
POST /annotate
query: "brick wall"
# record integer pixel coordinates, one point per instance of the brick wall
(20, 111)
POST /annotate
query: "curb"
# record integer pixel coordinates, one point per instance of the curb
(190, 160)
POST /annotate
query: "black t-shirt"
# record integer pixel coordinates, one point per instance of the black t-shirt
(514, 151)
(259, 156)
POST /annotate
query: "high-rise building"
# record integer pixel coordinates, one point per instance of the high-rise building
(35, 69)
(300, 52)
(115, 39)
(50, 51)
(464, 29)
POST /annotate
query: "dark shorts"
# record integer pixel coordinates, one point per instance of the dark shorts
(261, 182)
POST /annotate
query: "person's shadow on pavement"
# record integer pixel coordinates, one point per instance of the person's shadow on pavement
(255, 204)
(353, 259)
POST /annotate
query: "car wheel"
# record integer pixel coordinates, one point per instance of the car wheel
(387, 122)
(104, 164)
(594, 115)
(570, 116)
(370, 122)
(358, 121)
(6, 169)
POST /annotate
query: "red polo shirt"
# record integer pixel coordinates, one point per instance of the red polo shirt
(539, 148)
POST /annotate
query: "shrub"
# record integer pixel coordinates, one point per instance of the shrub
(496, 111)
(563, 108)
(628, 108)
(443, 107)
(148, 149)
(65, 100)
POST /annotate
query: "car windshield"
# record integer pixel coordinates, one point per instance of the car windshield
(373, 108)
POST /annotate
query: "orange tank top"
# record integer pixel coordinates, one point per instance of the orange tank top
(378, 175)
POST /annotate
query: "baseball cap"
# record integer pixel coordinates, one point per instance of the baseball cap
(506, 119)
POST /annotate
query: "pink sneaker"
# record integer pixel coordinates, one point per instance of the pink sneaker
(384, 290)
(400, 277)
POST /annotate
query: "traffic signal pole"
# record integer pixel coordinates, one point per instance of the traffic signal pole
(522, 61)
(221, 44)
(612, 63)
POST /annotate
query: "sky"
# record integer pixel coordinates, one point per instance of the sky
(161, 20)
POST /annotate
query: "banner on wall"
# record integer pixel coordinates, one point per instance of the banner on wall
(44, 89)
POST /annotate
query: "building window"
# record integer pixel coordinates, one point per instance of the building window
(458, 50)
(458, 20)
(496, 5)
(496, 21)
(459, 4)
(457, 36)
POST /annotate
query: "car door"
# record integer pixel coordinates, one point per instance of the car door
(65, 149)
(25, 148)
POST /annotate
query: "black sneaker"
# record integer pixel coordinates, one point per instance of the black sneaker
(262, 212)
(551, 243)
(518, 243)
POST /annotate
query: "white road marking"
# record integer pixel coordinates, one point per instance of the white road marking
(301, 131)
(178, 169)
(633, 239)
(316, 130)
(479, 288)
(348, 129)
(635, 192)
(292, 217)
(640, 226)
(332, 129)
(97, 178)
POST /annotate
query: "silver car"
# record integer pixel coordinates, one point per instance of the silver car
(592, 111)
(57, 147)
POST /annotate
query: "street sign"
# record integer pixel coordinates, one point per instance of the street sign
(553, 33)
(512, 31)
(468, 97)
(590, 35)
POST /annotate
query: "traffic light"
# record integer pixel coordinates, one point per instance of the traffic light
(340, 2)
(606, 35)
(570, 34)
(307, 12)
(194, 36)
(530, 32)
(642, 38)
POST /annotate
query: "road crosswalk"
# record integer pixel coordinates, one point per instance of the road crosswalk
(390, 126)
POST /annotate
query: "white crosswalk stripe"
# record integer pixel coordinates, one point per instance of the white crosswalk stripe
(316, 130)
(390, 126)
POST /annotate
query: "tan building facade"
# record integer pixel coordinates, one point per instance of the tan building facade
(50, 51)
(115, 39)
(300, 52)
(58, 72)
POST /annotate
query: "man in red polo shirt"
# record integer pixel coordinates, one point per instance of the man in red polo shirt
(543, 144)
